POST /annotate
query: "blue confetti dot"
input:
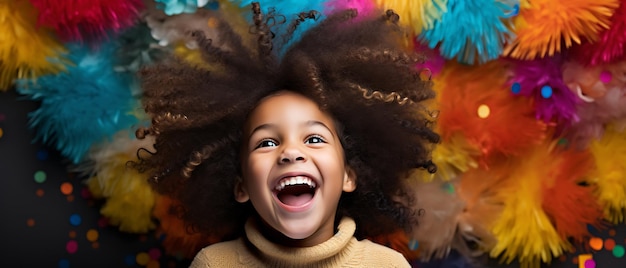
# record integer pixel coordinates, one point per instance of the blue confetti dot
(42, 154)
(75, 219)
(516, 88)
(413, 244)
(546, 91)
(129, 260)
(63, 263)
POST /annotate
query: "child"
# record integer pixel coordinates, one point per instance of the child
(293, 160)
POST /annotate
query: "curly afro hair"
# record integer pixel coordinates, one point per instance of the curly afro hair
(357, 68)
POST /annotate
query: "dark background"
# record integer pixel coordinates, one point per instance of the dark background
(36, 228)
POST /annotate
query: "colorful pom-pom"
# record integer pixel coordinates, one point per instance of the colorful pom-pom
(490, 30)
(85, 21)
(174, 7)
(610, 46)
(26, 51)
(418, 14)
(609, 175)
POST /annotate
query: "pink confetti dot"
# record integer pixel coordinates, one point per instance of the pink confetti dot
(2, 117)
(71, 246)
(154, 253)
(606, 76)
(590, 264)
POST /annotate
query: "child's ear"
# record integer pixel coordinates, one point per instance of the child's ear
(349, 180)
(241, 194)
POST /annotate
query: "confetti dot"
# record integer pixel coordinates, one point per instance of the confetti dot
(612, 232)
(153, 264)
(606, 76)
(1, 132)
(154, 253)
(142, 258)
(546, 91)
(42, 154)
(95, 245)
(70, 198)
(582, 259)
(40, 176)
(595, 243)
(30, 222)
(516, 88)
(413, 244)
(92, 235)
(75, 219)
(483, 111)
(609, 244)
(448, 187)
(212, 22)
(129, 260)
(39, 192)
(2, 117)
(63, 263)
(71, 246)
(72, 234)
(590, 263)
(67, 188)
(618, 251)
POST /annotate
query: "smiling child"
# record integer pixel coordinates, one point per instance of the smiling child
(293, 161)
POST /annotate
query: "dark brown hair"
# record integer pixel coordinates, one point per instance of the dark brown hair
(358, 69)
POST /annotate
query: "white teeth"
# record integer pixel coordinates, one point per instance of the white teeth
(295, 181)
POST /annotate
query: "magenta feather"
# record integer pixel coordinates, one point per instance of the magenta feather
(542, 80)
(362, 6)
(611, 46)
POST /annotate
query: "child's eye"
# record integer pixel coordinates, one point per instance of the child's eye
(266, 143)
(314, 139)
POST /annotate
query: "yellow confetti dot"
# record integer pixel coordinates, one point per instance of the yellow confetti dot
(92, 235)
(1, 132)
(596, 243)
(67, 188)
(582, 258)
(142, 258)
(483, 111)
(153, 264)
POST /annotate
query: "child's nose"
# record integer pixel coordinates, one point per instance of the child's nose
(291, 155)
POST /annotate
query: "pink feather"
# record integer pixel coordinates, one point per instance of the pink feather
(611, 46)
(364, 7)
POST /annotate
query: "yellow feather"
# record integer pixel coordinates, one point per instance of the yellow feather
(418, 14)
(545, 26)
(610, 174)
(523, 230)
(26, 50)
(452, 157)
(129, 197)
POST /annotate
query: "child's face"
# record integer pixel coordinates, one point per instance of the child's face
(293, 169)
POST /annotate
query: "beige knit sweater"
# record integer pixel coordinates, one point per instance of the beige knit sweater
(342, 250)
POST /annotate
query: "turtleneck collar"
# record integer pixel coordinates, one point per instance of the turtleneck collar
(339, 248)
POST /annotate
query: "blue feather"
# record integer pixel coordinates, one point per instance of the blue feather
(85, 105)
(175, 7)
(290, 9)
(472, 31)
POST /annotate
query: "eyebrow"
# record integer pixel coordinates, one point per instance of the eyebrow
(273, 126)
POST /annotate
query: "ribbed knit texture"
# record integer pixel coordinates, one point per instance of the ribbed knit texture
(342, 250)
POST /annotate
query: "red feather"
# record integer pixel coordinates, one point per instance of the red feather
(611, 46)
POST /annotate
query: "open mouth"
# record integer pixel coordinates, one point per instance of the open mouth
(295, 191)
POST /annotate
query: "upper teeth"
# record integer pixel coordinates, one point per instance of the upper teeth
(295, 181)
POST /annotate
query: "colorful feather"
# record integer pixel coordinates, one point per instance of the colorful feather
(86, 21)
(475, 102)
(609, 175)
(418, 14)
(129, 199)
(26, 51)
(568, 196)
(542, 80)
(137, 49)
(524, 231)
(548, 27)
(610, 46)
(91, 89)
(452, 157)
(490, 30)
(434, 62)
(363, 7)
(175, 7)
(169, 30)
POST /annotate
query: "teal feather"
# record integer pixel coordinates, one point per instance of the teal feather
(472, 31)
(85, 105)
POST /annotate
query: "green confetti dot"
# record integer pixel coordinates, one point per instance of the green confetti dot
(448, 188)
(618, 251)
(40, 176)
